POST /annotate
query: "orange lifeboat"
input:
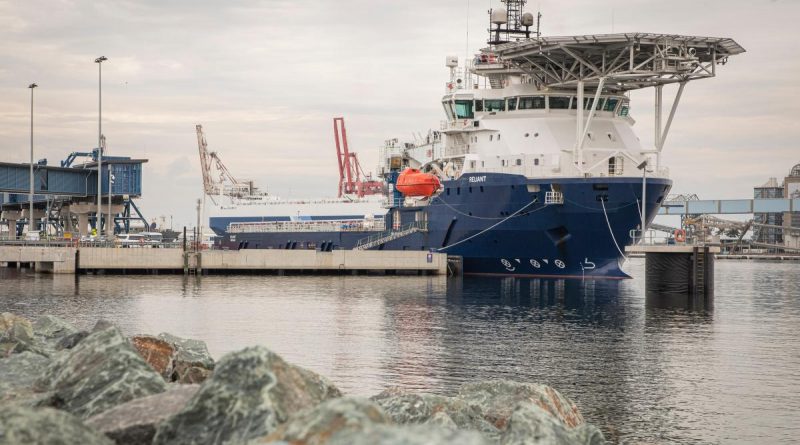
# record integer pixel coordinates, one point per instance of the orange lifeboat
(413, 182)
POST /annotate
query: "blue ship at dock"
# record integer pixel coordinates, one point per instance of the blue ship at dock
(536, 170)
(504, 226)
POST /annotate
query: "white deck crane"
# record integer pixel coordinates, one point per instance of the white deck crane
(217, 179)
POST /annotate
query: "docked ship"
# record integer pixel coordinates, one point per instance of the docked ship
(536, 170)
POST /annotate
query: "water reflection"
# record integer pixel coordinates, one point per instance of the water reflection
(644, 369)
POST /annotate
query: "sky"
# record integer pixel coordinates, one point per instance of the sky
(265, 79)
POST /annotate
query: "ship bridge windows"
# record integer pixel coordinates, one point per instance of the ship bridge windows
(611, 104)
(531, 103)
(511, 103)
(494, 105)
(463, 109)
(559, 102)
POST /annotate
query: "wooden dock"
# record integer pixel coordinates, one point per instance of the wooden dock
(155, 260)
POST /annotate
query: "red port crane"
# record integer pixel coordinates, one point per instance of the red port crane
(350, 171)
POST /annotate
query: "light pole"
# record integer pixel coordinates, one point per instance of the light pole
(99, 61)
(30, 194)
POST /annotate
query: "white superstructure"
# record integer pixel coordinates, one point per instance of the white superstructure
(559, 106)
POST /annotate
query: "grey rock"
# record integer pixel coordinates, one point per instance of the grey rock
(135, 422)
(55, 334)
(192, 363)
(18, 374)
(50, 327)
(19, 425)
(315, 426)
(16, 335)
(442, 420)
(496, 399)
(412, 408)
(530, 424)
(102, 325)
(251, 392)
(71, 340)
(102, 371)
(408, 435)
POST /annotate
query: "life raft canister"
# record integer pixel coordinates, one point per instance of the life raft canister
(413, 182)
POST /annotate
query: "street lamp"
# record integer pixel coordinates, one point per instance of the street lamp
(99, 61)
(30, 194)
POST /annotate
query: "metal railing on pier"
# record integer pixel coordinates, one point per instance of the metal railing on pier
(385, 237)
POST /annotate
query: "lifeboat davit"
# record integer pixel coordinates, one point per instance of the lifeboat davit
(413, 182)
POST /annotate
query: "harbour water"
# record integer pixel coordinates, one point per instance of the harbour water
(642, 372)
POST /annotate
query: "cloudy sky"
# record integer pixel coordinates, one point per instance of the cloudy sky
(266, 77)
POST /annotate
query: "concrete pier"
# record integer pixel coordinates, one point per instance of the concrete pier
(143, 260)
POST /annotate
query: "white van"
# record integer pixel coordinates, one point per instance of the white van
(153, 239)
(130, 240)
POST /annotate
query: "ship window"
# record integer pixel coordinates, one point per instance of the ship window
(559, 102)
(615, 165)
(588, 100)
(519, 161)
(512, 103)
(448, 192)
(536, 161)
(458, 190)
(491, 137)
(464, 109)
(494, 105)
(481, 189)
(611, 104)
(623, 111)
(498, 136)
(478, 105)
(531, 103)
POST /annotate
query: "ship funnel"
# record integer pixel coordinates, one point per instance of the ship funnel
(499, 16)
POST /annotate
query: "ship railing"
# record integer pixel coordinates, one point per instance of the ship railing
(356, 225)
(553, 198)
(384, 237)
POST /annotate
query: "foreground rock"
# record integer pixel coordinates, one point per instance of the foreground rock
(18, 375)
(408, 435)
(158, 353)
(100, 372)
(20, 425)
(414, 408)
(497, 399)
(16, 335)
(531, 424)
(317, 425)
(135, 422)
(192, 363)
(251, 392)
(51, 328)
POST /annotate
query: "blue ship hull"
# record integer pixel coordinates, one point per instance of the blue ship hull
(501, 225)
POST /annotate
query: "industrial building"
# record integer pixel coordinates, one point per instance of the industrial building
(778, 228)
(65, 197)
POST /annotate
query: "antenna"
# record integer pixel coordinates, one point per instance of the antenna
(508, 22)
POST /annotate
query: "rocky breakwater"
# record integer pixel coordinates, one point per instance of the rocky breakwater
(62, 385)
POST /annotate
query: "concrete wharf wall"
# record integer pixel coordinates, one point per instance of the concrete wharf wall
(72, 260)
